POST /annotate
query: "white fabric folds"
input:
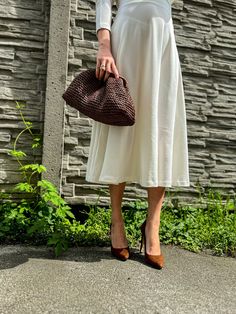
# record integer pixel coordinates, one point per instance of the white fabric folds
(154, 151)
(104, 11)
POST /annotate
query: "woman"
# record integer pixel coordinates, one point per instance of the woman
(140, 45)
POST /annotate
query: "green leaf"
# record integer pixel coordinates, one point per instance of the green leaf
(70, 214)
(13, 214)
(22, 209)
(41, 168)
(23, 187)
(33, 167)
(37, 139)
(47, 185)
(59, 212)
(17, 153)
(20, 105)
(28, 122)
(52, 241)
(37, 226)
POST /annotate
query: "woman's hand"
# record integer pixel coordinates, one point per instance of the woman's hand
(104, 56)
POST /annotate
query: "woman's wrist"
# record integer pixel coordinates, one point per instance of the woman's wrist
(104, 40)
(104, 46)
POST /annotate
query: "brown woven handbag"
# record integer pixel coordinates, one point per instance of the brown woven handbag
(108, 102)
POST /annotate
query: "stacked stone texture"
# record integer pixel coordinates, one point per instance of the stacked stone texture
(205, 33)
(23, 67)
(206, 40)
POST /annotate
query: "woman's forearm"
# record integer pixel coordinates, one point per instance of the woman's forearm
(104, 38)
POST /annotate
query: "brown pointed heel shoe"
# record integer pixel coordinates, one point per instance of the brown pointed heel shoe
(156, 261)
(121, 253)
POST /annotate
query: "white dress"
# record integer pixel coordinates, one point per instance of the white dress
(154, 151)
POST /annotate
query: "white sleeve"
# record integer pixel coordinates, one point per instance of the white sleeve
(103, 14)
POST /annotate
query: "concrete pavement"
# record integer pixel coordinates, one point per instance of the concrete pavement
(90, 280)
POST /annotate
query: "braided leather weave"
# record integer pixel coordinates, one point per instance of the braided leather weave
(108, 102)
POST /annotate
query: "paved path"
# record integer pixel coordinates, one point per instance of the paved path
(90, 280)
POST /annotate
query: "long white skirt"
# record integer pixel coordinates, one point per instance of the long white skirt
(154, 151)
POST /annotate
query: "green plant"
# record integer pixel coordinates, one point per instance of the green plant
(45, 212)
(205, 227)
(45, 218)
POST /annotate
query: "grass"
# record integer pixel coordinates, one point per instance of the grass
(210, 227)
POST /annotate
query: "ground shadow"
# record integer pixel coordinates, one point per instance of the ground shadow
(14, 255)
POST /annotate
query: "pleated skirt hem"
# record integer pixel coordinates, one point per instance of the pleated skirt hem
(114, 180)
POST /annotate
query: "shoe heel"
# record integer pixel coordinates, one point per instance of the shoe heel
(142, 235)
(141, 244)
(155, 260)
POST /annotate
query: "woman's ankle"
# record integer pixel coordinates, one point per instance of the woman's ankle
(117, 220)
(118, 231)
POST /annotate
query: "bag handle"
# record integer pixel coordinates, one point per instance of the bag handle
(122, 77)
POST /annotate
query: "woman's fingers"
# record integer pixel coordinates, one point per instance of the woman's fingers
(101, 73)
(97, 70)
(111, 68)
(101, 68)
(105, 65)
(108, 71)
(114, 70)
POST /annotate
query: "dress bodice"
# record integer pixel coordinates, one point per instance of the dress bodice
(104, 12)
(117, 2)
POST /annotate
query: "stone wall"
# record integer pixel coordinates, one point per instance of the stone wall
(23, 69)
(205, 37)
(205, 32)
